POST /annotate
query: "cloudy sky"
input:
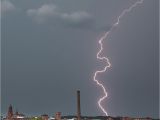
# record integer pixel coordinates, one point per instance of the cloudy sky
(49, 51)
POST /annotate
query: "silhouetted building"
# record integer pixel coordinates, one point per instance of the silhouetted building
(147, 118)
(58, 116)
(16, 116)
(126, 118)
(44, 117)
(10, 112)
(78, 106)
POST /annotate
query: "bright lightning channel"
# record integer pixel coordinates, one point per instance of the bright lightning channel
(108, 64)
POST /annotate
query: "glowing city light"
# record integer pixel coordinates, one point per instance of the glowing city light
(102, 58)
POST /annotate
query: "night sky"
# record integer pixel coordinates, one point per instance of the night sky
(49, 51)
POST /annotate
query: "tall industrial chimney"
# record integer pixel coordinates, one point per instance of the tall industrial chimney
(78, 106)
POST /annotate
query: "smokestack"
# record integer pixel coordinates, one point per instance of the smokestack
(78, 106)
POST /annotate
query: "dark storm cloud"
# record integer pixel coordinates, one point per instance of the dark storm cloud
(79, 19)
(43, 13)
(49, 12)
(76, 19)
(6, 6)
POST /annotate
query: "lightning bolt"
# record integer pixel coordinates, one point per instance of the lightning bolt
(102, 58)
